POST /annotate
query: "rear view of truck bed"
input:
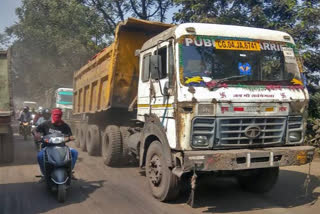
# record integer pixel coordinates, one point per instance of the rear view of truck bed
(6, 144)
(110, 79)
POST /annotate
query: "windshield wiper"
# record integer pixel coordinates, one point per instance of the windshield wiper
(225, 79)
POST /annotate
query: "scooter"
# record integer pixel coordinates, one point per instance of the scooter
(57, 164)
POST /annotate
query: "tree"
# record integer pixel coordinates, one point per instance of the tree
(4, 41)
(114, 11)
(54, 38)
(301, 19)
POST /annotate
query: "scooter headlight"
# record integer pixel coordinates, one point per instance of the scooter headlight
(57, 140)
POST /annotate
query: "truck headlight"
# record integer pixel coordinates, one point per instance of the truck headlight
(200, 140)
(295, 136)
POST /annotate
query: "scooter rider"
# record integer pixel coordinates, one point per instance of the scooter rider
(56, 125)
(45, 116)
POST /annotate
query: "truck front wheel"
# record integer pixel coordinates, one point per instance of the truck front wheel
(112, 146)
(163, 184)
(259, 180)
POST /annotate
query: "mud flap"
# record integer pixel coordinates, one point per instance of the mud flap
(193, 188)
(59, 176)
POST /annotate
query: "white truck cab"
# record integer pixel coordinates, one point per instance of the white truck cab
(228, 98)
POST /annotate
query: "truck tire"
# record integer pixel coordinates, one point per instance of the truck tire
(125, 148)
(163, 183)
(93, 140)
(260, 180)
(112, 146)
(6, 147)
(83, 131)
(77, 136)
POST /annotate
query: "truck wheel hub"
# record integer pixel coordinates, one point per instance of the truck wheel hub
(155, 172)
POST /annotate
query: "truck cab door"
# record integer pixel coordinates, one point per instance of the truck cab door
(153, 90)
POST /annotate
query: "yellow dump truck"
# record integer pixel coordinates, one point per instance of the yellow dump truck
(6, 137)
(194, 98)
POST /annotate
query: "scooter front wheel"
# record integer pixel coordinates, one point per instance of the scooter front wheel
(62, 193)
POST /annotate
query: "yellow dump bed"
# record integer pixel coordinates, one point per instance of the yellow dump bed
(110, 79)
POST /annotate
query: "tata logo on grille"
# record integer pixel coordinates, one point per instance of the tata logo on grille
(252, 132)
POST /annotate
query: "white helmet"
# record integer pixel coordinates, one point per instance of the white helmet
(40, 109)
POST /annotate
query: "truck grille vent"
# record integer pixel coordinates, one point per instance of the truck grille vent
(203, 126)
(232, 131)
(295, 122)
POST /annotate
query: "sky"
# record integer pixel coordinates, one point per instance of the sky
(7, 13)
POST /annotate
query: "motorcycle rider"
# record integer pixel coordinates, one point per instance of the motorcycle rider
(25, 116)
(45, 116)
(55, 125)
(38, 115)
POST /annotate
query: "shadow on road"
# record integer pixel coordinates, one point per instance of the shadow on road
(225, 195)
(25, 152)
(34, 198)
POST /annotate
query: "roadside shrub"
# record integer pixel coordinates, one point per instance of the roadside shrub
(314, 105)
(313, 133)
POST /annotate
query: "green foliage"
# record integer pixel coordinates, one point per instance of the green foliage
(115, 11)
(301, 19)
(313, 133)
(4, 41)
(314, 107)
(54, 38)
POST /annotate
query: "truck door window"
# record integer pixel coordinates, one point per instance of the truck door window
(163, 53)
(146, 68)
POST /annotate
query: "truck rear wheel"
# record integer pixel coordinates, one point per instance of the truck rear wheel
(112, 146)
(83, 131)
(77, 135)
(93, 140)
(163, 184)
(260, 180)
(125, 149)
(6, 147)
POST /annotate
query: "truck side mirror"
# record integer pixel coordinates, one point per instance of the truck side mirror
(155, 67)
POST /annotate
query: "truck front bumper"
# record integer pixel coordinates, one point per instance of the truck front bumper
(240, 159)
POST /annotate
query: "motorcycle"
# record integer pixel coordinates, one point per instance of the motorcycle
(57, 164)
(25, 129)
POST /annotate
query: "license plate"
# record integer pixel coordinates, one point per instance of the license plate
(237, 45)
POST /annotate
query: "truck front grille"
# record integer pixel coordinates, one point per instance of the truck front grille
(264, 131)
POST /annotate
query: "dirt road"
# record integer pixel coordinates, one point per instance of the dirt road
(100, 189)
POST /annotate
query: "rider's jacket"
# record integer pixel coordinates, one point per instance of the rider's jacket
(40, 121)
(50, 128)
(25, 117)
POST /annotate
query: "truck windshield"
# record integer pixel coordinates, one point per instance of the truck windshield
(251, 62)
